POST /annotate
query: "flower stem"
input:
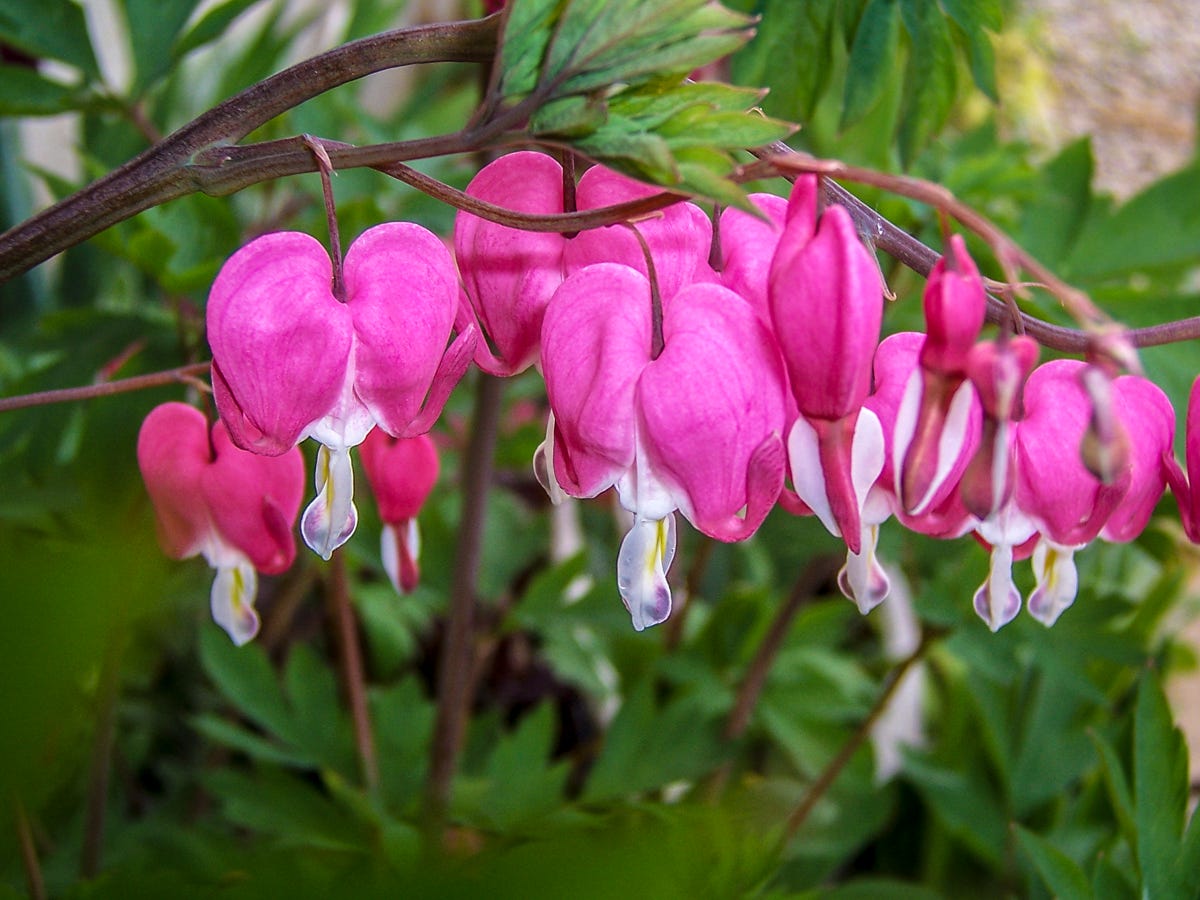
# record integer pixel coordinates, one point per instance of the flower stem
(342, 613)
(29, 855)
(456, 666)
(166, 171)
(830, 773)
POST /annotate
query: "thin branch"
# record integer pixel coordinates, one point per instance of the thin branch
(161, 173)
(454, 680)
(353, 677)
(820, 571)
(181, 375)
(830, 773)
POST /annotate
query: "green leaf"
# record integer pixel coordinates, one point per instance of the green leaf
(257, 748)
(246, 678)
(23, 92)
(569, 117)
(792, 51)
(1060, 873)
(527, 30)
(1052, 221)
(49, 28)
(930, 82)
(1160, 787)
(521, 782)
(153, 28)
(1157, 229)
(1117, 787)
(209, 27)
(872, 59)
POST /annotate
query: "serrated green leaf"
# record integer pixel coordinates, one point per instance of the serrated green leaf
(523, 45)
(930, 80)
(521, 782)
(209, 27)
(1060, 873)
(55, 29)
(1160, 789)
(873, 59)
(700, 127)
(981, 58)
(23, 92)
(654, 102)
(644, 156)
(570, 117)
(703, 173)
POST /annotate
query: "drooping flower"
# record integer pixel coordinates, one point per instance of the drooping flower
(236, 509)
(1186, 487)
(509, 274)
(695, 429)
(291, 360)
(827, 307)
(933, 421)
(748, 245)
(402, 473)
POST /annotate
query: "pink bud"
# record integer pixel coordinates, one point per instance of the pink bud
(402, 473)
(955, 305)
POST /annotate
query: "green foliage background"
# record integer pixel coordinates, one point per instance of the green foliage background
(597, 761)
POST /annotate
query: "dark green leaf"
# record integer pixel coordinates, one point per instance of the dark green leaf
(930, 81)
(246, 678)
(569, 117)
(54, 29)
(1117, 786)
(1060, 873)
(791, 51)
(1160, 788)
(521, 782)
(23, 92)
(872, 59)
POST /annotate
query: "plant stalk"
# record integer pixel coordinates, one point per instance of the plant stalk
(353, 675)
(455, 667)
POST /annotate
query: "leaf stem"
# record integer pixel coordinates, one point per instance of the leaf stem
(455, 677)
(101, 762)
(353, 677)
(830, 773)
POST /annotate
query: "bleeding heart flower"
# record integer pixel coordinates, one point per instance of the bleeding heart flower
(827, 306)
(290, 360)
(402, 473)
(1186, 488)
(236, 509)
(748, 245)
(509, 274)
(695, 429)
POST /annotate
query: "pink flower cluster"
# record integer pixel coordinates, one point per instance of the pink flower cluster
(693, 372)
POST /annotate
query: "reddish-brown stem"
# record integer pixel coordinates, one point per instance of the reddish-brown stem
(105, 388)
(29, 855)
(325, 170)
(821, 570)
(455, 667)
(829, 774)
(353, 677)
(656, 305)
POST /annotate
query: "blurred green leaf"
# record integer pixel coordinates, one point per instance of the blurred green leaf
(1160, 790)
(209, 27)
(23, 92)
(793, 41)
(1060, 873)
(930, 82)
(872, 59)
(49, 28)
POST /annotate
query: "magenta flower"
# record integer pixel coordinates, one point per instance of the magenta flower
(509, 274)
(236, 509)
(747, 247)
(402, 473)
(933, 423)
(827, 306)
(696, 429)
(290, 360)
(1186, 487)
